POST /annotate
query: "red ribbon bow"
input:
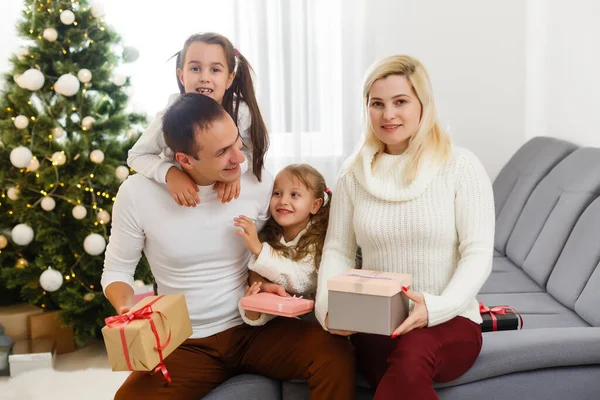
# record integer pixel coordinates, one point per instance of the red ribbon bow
(498, 310)
(143, 313)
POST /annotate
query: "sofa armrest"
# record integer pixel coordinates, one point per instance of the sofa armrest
(507, 352)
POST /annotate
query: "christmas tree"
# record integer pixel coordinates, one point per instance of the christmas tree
(64, 136)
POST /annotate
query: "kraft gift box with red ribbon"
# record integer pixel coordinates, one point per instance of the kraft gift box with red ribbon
(142, 338)
(273, 304)
(499, 318)
(367, 301)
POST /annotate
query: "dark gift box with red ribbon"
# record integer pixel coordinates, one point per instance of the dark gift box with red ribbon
(499, 318)
(142, 338)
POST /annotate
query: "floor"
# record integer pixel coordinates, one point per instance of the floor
(84, 373)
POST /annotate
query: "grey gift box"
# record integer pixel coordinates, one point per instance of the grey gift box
(367, 301)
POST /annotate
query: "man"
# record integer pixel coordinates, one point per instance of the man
(195, 251)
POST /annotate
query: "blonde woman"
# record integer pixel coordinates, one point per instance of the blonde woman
(415, 204)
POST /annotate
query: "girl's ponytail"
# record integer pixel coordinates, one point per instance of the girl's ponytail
(242, 88)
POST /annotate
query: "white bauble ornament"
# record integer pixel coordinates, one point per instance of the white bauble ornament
(13, 193)
(48, 203)
(51, 280)
(22, 234)
(138, 283)
(119, 79)
(67, 17)
(57, 132)
(84, 75)
(130, 54)
(79, 212)
(103, 216)
(50, 34)
(89, 297)
(97, 156)
(88, 122)
(97, 10)
(59, 158)
(122, 172)
(94, 244)
(32, 79)
(33, 165)
(67, 85)
(21, 122)
(22, 53)
(20, 156)
(3, 241)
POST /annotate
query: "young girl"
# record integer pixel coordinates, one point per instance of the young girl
(288, 249)
(207, 64)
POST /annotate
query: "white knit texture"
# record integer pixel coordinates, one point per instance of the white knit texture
(297, 277)
(439, 229)
(151, 157)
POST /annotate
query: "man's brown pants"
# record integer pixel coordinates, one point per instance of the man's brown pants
(283, 349)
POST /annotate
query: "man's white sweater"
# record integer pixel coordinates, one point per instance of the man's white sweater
(439, 229)
(191, 250)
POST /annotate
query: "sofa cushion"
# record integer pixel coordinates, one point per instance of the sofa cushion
(573, 382)
(506, 352)
(246, 386)
(575, 280)
(552, 211)
(538, 310)
(506, 277)
(519, 177)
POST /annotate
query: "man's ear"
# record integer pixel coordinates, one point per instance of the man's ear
(184, 160)
(316, 206)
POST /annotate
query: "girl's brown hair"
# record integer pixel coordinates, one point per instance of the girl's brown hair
(312, 241)
(242, 88)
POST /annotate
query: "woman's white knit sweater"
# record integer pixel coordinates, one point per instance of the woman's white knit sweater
(439, 228)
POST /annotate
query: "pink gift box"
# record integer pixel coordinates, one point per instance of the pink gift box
(367, 301)
(270, 303)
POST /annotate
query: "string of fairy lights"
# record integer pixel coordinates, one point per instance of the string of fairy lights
(27, 163)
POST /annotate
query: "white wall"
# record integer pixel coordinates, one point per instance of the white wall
(571, 75)
(11, 11)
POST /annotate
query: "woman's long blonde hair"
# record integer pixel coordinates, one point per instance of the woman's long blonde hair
(430, 137)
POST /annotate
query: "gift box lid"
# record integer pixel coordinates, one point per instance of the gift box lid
(32, 350)
(271, 303)
(374, 283)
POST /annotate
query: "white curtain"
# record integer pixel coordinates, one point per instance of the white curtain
(304, 54)
(308, 56)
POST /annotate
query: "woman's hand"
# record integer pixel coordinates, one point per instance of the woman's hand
(227, 191)
(183, 188)
(418, 318)
(249, 233)
(335, 331)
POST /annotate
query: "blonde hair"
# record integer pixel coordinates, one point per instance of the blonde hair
(430, 137)
(314, 238)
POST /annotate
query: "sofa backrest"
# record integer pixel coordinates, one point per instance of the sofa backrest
(551, 212)
(575, 280)
(519, 177)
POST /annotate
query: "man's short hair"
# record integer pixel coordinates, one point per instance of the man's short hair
(190, 112)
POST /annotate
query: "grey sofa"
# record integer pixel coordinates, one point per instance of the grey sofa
(546, 265)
